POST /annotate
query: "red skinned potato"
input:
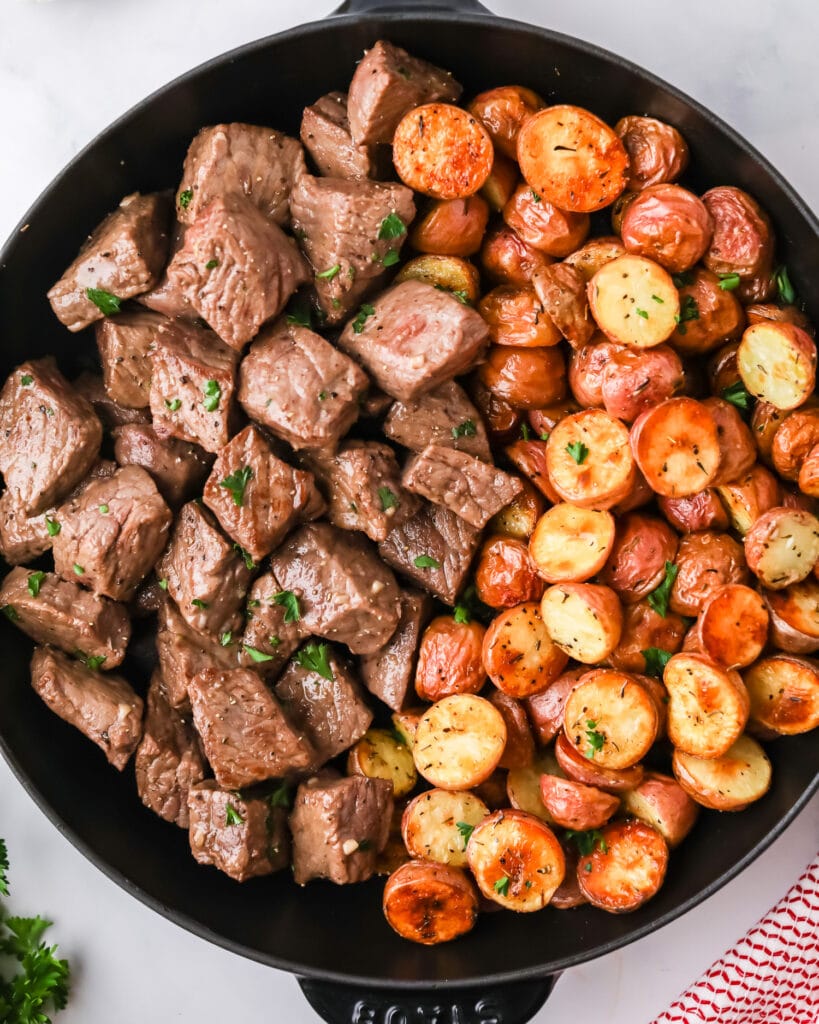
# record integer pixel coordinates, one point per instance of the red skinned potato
(624, 870)
(562, 292)
(762, 311)
(430, 903)
(618, 211)
(589, 461)
(708, 705)
(639, 495)
(449, 659)
(451, 227)
(736, 442)
(793, 440)
(507, 259)
(596, 253)
(722, 369)
(659, 696)
(542, 225)
(501, 420)
(568, 894)
(526, 378)
(530, 458)
(571, 544)
(519, 751)
(638, 379)
(545, 709)
(587, 366)
(575, 806)
(452, 273)
(742, 242)
(668, 224)
(519, 655)
(520, 516)
(748, 497)
(676, 447)
(636, 564)
(705, 561)
(784, 694)
(582, 769)
(544, 420)
(502, 181)
(702, 511)
(727, 783)
(657, 152)
(634, 301)
(782, 547)
(660, 801)
(644, 628)
(611, 718)
(710, 314)
(794, 614)
(502, 112)
(765, 421)
(732, 628)
(777, 363)
(809, 474)
(584, 620)
(505, 575)
(515, 316)
(758, 289)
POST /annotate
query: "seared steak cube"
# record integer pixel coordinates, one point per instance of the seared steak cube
(364, 489)
(103, 706)
(416, 337)
(387, 84)
(183, 652)
(168, 759)
(192, 386)
(325, 132)
(300, 387)
(92, 388)
(257, 497)
(390, 672)
(344, 592)
(239, 834)
(49, 435)
(434, 549)
(123, 257)
(240, 160)
(237, 268)
(165, 297)
(472, 489)
(444, 416)
(178, 468)
(22, 537)
(111, 533)
(125, 343)
(332, 712)
(55, 611)
(350, 230)
(246, 736)
(206, 576)
(273, 630)
(339, 827)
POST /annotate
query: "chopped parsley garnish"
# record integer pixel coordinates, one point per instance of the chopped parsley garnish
(34, 581)
(226, 639)
(246, 556)
(737, 394)
(501, 886)
(689, 310)
(287, 599)
(578, 451)
(198, 603)
(322, 396)
(683, 280)
(10, 612)
(212, 393)
(545, 435)
(658, 299)
(787, 292)
(4, 869)
(658, 599)
(92, 661)
(236, 483)
(587, 841)
(26, 380)
(280, 797)
(465, 829)
(78, 569)
(525, 432)
(364, 312)
(173, 404)
(461, 296)
(391, 258)
(185, 198)
(387, 498)
(535, 196)
(728, 282)
(163, 584)
(104, 509)
(105, 302)
(391, 227)
(595, 739)
(656, 660)
(257, 656)
(465, 429)
(274, 641)
(460, 613)
(211, 264)
(315, 658)
(232, 816)
(299, 312)
(329, 273)
(52, 526)
(642, 313)
(426, 562)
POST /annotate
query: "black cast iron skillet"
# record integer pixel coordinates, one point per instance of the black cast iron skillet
(352, 967)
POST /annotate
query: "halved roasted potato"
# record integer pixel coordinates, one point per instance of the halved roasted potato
(452, 273)
(777, 363)
(750, 496)
(579, 767)
(571, 544)
(626, 867)
(733, 626)
(459, 742)
(437, 824)
(634, 302)
(518, 653)
(379, 755)
(784, 693)
(676, 446)
(794, 614)
(584, 620)
(545, 709)
(430, 903)
(589, 460)
(782, 546)
(523, 785)
(708, 705)
(727, 783)
(576, 806)
(660, 801)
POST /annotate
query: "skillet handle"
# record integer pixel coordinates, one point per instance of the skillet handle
(405, 6)
(494, 1004)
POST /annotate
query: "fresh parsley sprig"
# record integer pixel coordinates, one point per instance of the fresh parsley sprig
(658, 599)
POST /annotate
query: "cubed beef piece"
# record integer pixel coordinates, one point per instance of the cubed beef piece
(125, 343)
(344, 592)
(339, 827)
(55, 611)
(444, 416)
(237, 268)
(178, 468)
(103, 706)
(325, 132)
(387, 84)
(390, 672)
(165, 297)
(240, 160)
(147, 599)
(416, 337)
(364, 491)
(472, 489)
(206, 576)
(49, 435)
(257, 497)
(300, 387)
(183, 652)
(241, 835)
(22, 537)
(332, 712)
(192, 386)
(92, 388)
(168, 759)
(246, 736)
(375, 403)
(273, 632)
(112, 532)
(123, 257)
(434, 549)
(349, 230)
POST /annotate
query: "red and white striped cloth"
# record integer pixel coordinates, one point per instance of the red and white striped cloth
(769, 977)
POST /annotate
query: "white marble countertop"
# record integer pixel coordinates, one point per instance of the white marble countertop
(67, 68)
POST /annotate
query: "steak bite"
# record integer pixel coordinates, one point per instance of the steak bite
(325, 132)
(103, 706)
(246, 736)
(300, 387)
(49, 435)
(92, 388)
(22, 537)
(415, 337)
(111, 533)
(123, 258)
(192, 386)
(178, 468)
(257, 497)
(339, 827)
(389, 673)
(182, 653)
(332, 712)
(206, 576)
(444, 416)
(165, 297)
(350, 231)
(434, 549)
(55, 611)
(242, 835)
(274, 629)
(237, 268)
(240, 160)
(125, 343)
(344, 592)
(472, 489)
(387, 84)
(168, 758)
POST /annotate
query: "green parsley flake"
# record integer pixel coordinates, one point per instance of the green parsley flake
(737, 394)
(465, 830)
(728, 282)
(315, 658)
(236, 483)
(642, 313)
(35, 579)
(388, 498)
(257, 656)
(78, 569)
(198, 603)
(578, 451)
(460, 613)
(26, 380)
(658, 299)
(535, 196)
(212, 393)
(364, 313)
(595, 739)
(501, 886)
(246, 556)
(787, 292)
(465, 429)
(656, 660)
(280, 797)
(330, 273)
(10, 612)
(185, 198)
(391, 258)
(226, 639)
(689, 310)
(658, 599)
(105, 302)
(52, 526)
(426, 562)
(287, 599)
(391, 227)
(587, 841)
(211, 264)
(525, 432)
(299, 312)
(173, 404)
(232, 816)
(104, 509)
(94, 662)
(163, 584)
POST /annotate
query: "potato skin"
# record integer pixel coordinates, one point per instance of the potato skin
(453, 273)
(587, 367)
(526, 378)
(519, 751)
(720, 316)
(732, 627)
(793, 440)
(702, 511)
(727, 783)
(502, 421)
(705, 561)
(634, 380)
(736, 442)
(668, 224)
(515, 316)
(430, 903)
(769, 530)
(644, 628)
(596, 253)
(743, 239)
(593, 601)
(502, 181)
(721, 368)
(581, 769)
(530, 458)
(545, 709)
(542, 225)
(504, 574)
(657, 152)
(636, 565)
(562, 293)
(520, 516)
(518, 655)
(575, 806)
(502, 112)
(449, 659)
(451, 227)
(765, 421)
(763, 311)
(629, 872)
(784, 693)
(507, 259)
(661, 802)
(748, 497)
